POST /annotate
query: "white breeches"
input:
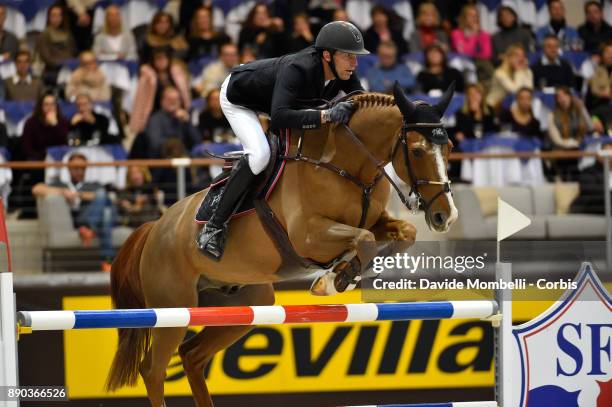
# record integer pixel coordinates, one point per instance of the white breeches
(248, 129)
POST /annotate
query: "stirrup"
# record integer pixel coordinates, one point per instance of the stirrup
(216, 251)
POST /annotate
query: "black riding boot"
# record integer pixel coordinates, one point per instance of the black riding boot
(211, 239)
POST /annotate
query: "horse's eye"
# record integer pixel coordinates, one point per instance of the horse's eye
(417, 152)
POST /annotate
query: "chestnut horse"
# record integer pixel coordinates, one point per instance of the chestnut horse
(159, 266)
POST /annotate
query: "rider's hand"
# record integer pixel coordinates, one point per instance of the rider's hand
(341, 113)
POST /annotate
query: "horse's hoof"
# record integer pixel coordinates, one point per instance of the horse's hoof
(324, 285)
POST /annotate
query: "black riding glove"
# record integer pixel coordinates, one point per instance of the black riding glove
(341, 113)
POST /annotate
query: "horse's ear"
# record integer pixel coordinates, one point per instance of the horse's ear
(445, 99)
(405, 106)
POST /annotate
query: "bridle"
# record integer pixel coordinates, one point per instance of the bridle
(368, 188)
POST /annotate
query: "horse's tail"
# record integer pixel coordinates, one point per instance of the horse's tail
(126, 291)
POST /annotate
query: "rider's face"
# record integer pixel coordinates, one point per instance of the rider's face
(345, 64)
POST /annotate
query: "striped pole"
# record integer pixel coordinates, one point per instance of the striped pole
(253, 315)
(455, 404)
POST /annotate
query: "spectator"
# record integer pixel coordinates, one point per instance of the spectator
(165, 178)
(384, 29)
(591, 181)
(114, 43)
(552, 70)
(88, 127)
(55, 45)
(428, 30)
(340, 14)
(9, 44)
(475, 119)
(88, 78)
(512, 75)
(204, 40)
(45, 128)
(382, 77)
(568, 36)
(519, 118)
(302, 35)
(471, 41)
(88, 202)
(247, 54)
(215, 73)
(509, 33)
(159, 73)
(23, 86)
(138, 203)
(80, 16)
(170, 122)
(600, 84)
(263, 34)
(161, 33)
(437, 75)
(213, 124)
(595, 30)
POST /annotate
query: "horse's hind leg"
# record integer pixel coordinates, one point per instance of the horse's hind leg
(200, 349)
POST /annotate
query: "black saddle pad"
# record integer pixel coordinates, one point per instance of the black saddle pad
(261, 187)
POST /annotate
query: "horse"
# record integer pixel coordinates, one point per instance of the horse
(325, 216)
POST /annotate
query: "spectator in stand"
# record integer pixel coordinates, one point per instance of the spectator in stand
(9, 44)
(591, 181)
(568, 36)
(88, 203)
(595, 31)
(475, 119)
(437, 75)
(88, 127)
(204, 40)
(114, 43)
(302, 35)
(138, 202)
(161, 33)
(551, 70)
(519, 118)
(247, 54)
(384, 28)
(45, 128)
(509, 33)
(215, 73)
(80, 15)
(263, 34)
(171, 121)
(382, 76)
(340, 14)
(55, 45)
(471, 41)
(512, 75)
(428, 30)
(156, 75)
(23, 86)
(88, 78)
(213, 124)
(600, 84)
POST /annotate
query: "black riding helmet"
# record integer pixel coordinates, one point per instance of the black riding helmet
(341, 36)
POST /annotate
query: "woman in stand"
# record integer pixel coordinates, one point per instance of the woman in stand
(204, 40)
(437, 75)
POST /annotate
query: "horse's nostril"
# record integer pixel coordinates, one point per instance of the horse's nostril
(439, 218)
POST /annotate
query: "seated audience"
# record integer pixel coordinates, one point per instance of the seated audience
(9, 44)
(88, 78)
(437, 75)
(80, 16)
(568, 36)
(216, 72)
(591, 198)
(471, 41)
(55, 44)
(45, 128)
(595, 30)
(600, 84)
(204, 40)
(519, 118)
(510, 33)
(161, 33)
(171, 121)
(475, 119)
(551, 70)
(384, 29)
(428, 30)
(137, 203)
(262, 33)
(213, 124)
(88, 127)
(302, 35)
(23, 86)
(88, 203)
(512, 75)
(382, 76)
(113, 43)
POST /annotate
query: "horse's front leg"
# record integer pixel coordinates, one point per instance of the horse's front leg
(388, 229)
(324, 239)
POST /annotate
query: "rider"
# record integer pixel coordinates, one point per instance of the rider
(275, 86)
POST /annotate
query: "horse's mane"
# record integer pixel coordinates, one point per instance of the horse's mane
(371, 100)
